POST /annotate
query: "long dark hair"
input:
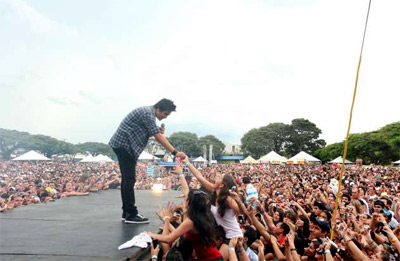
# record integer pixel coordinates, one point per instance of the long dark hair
(200, 214)
(228, 181)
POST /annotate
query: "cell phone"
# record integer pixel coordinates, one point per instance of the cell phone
(155, 243)
(342, 253)
(241, 219)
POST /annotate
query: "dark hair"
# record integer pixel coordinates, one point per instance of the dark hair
(165, 105)
(219, 232)
(201, 215)
(306, 226)
(286, 228)
(228, 182)
(251, 235)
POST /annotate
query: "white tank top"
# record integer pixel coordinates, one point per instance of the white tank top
(228, 222)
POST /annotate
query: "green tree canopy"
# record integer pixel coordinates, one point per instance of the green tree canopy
(303, 136)
(379, 147)
(96, 148)
(10, 140)
(218, 146)
(282, 138)
(187, 142)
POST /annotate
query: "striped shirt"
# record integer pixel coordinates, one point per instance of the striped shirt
(251, 192)
(150, 170)
(135, 130)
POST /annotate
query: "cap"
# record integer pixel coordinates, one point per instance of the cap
(324, 225)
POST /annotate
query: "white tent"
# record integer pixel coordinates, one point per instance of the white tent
(302, 157)
(147, 156)
(273, 157)
(397, 162)
(88, 158)
(339, 160)
(102, 158)
(200, 160)
(31, 155)
(79, 156)
(249, 160)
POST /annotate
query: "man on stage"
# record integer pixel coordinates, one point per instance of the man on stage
(128, 143)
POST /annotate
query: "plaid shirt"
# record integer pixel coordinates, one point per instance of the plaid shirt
(135, 130)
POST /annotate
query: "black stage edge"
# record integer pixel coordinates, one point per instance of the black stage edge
(78, 228)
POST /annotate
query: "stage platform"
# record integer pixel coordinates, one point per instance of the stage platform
(77, 228)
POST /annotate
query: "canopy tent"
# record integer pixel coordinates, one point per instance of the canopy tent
(302, 157)
(78, 156)
(249, 160)
(88, 158)
(147, 156)
(102, 158)
(31, 155)
(339, 160)
(397, 162)
(272, 157)
(200, 160)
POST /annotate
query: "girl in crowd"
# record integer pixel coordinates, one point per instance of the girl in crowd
(197, 227)
(223, 207)
(69, 191)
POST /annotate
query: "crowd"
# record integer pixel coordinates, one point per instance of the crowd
(264, 212)
(241, 212)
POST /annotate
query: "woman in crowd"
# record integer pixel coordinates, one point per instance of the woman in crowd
(223, 207)
(197, 227)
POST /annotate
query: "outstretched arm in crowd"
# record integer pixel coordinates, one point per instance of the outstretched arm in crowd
(186, 225)
(301, 209)
(268, 219)
(185, 188)
(167, 218)
(208, 185)
(355, 252)
(290, 248)
(392, 238)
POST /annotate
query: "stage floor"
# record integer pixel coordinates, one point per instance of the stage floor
(77, 228)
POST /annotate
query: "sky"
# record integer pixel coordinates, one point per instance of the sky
(74, 69)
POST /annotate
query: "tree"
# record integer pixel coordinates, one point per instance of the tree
(218, 146)
(379, 147)
(303, 136)
(96, 148)
(278, 135)
(186, 142)
(10, 140)
(256, 143)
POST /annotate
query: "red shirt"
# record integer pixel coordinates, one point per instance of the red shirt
(202, 252)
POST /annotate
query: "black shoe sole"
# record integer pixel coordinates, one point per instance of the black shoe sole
(136, 222)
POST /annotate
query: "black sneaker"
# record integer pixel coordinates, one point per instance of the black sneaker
(138, 219)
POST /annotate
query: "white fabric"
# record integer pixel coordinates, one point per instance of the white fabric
(31, 155)
(339, 160)
(147, 156)
(200, 159)
(304, 156)
(228, 222)
(139, 241)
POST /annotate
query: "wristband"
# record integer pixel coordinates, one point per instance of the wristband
(154, 257)
(186, 163)
(181, 175)
(293, 249)
(164, 218)
(231, 249)
(174, 152)
(394, 239)
(326, 251)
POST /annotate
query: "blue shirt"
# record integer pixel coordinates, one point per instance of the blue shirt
(135, 130)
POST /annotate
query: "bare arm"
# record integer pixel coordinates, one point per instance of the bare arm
(208, 185)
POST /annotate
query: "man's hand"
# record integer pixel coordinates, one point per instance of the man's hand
(181, 155)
